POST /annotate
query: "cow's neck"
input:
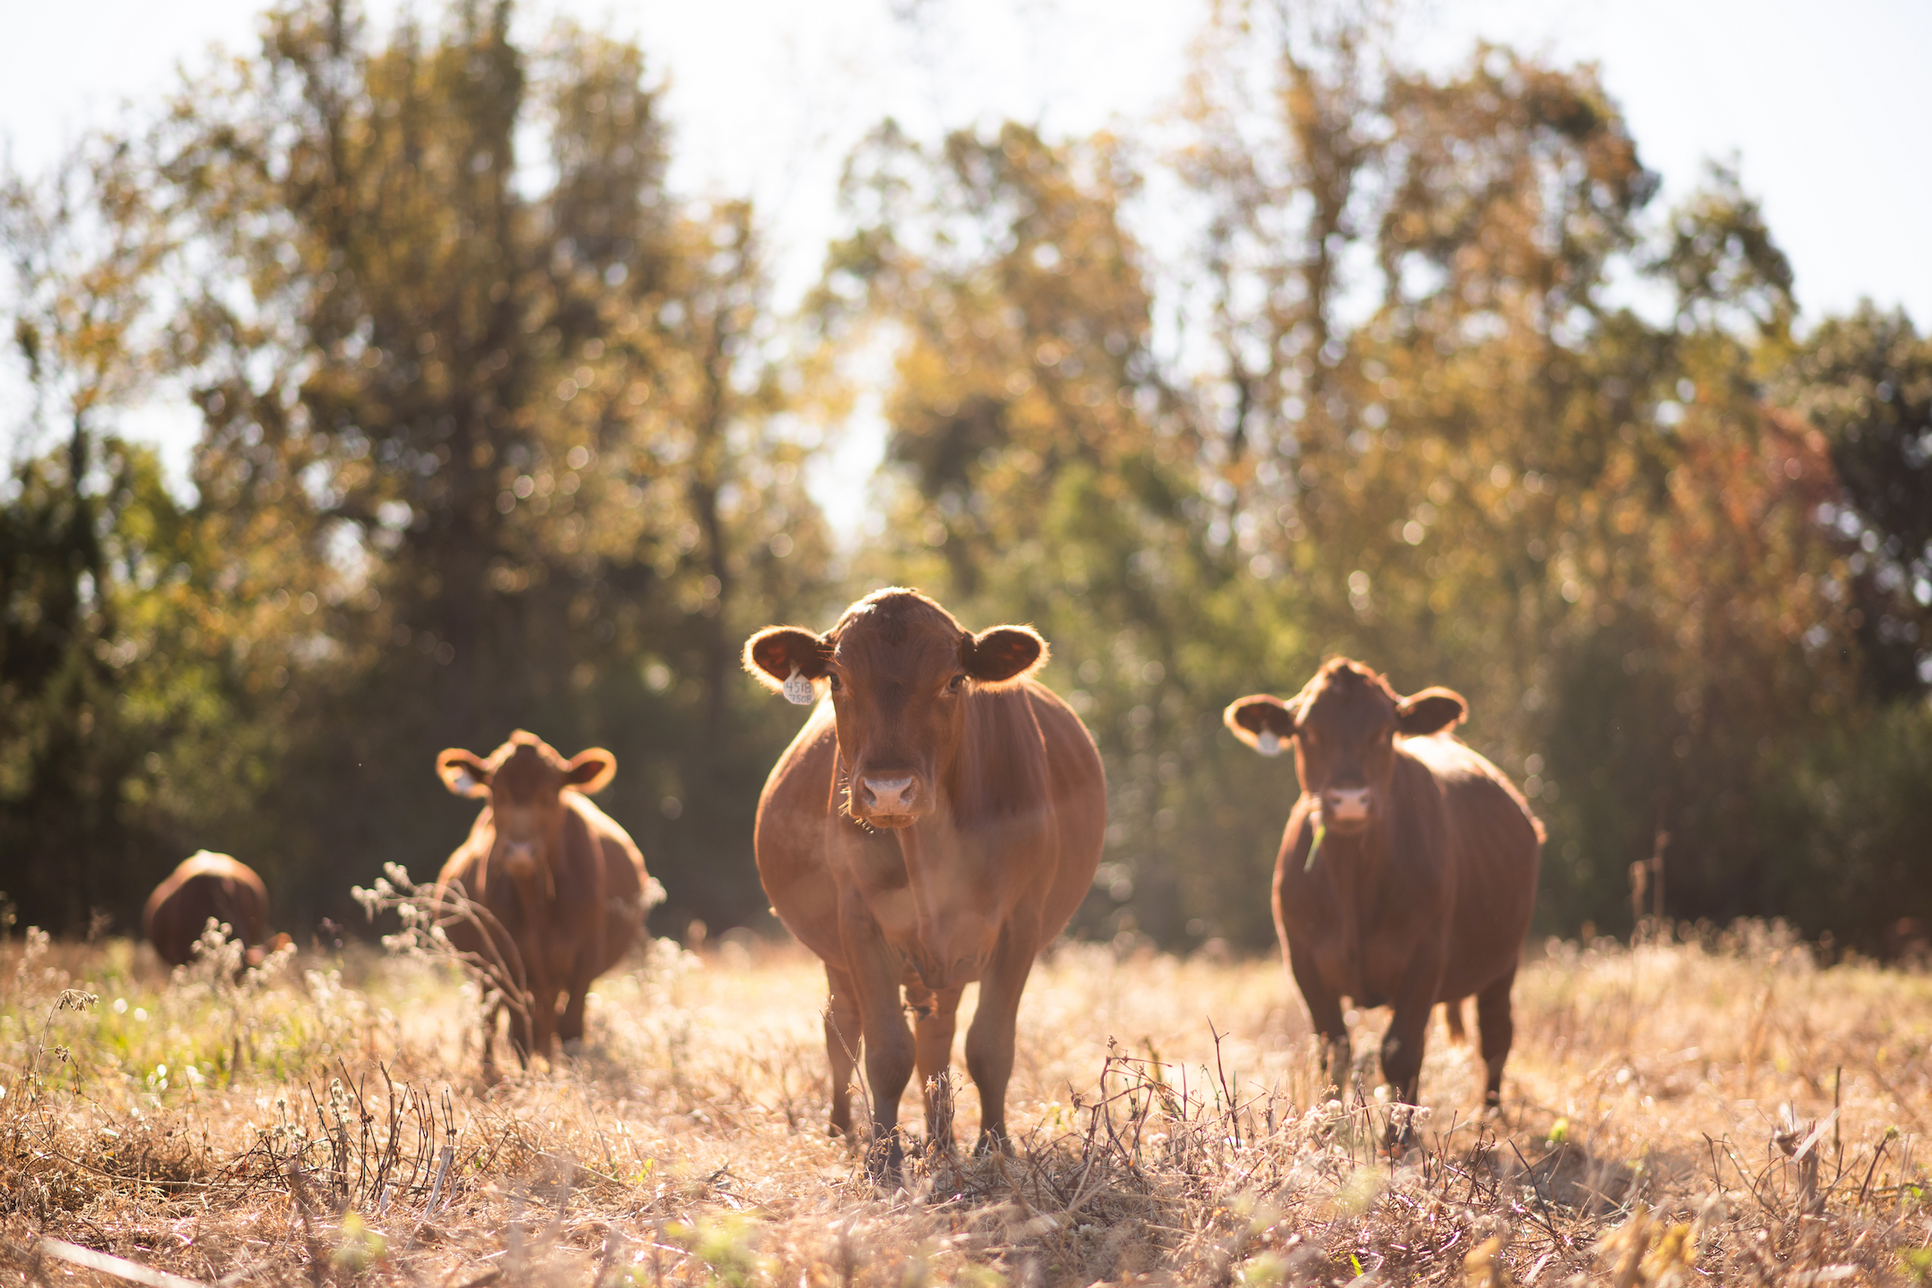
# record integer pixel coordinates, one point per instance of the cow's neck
(1359, 861)
(931, 850)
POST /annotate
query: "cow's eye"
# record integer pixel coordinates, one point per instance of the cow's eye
(957, 683)
(832, 679)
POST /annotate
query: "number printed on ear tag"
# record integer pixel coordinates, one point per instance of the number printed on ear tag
(1267, 744)
(798, 690)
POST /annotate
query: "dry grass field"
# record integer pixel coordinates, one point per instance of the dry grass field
(1714, 1108)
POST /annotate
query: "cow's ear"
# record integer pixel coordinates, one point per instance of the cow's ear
(1261, 720)
(462, 772)
(776, 653)
(1003, 654)
(1430, 711)
(590, 771)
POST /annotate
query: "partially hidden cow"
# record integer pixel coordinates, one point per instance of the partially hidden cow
(1408, 870)
(208, 886)
(553, 891)
(935, 823)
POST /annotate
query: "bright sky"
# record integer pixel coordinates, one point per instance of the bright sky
(1826, 108)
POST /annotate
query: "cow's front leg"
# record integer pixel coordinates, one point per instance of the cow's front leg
(875, 969)
(1325, 1015)
(1403, 1043)
(522, 1008)
(989, 1039)
(934, 1016)
(583, 973)
(543, 1018)
(570, 1025)
(842, 1041)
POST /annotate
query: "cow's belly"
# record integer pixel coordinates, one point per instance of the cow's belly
(1367, 973)
(909, 977)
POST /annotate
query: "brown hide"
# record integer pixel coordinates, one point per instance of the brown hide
(935, 823)
(559, 887)
(208, 885)
(1421, 887)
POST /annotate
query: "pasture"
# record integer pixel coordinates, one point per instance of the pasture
(1668, 1117)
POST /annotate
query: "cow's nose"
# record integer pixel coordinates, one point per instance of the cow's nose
(1348, 804)
(889, 795)
(520, 858)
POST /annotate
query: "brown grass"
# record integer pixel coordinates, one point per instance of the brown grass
(324, 1123)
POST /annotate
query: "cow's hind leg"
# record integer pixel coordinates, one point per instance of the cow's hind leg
(842, 1042)
(935, 1015)
(1498, 1030)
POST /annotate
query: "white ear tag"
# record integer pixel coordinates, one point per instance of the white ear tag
(798, 690)
(1267, 744)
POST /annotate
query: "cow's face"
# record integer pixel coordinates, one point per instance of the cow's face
(901, 673)
(898, 669)
(1343, 726)
(523, 780)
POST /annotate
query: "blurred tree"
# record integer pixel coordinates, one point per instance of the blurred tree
(1866, 382)
(513, 442)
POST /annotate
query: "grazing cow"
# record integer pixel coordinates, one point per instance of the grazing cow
(936, 822)
(1408, 871)
(556, 890)
(205, 886)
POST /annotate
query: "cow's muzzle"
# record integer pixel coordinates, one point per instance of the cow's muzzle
(889, 802)
(520, 859)
(1347, 809)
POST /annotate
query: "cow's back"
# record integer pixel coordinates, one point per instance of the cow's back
(1495, 843)
(207, 885)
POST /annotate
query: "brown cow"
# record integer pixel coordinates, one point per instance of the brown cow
(1408, 871)
(564, 885)
(209, 886)
(936, 822)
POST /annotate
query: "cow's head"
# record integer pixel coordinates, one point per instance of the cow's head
(524, 781)
(1343, 725)
(897, 667)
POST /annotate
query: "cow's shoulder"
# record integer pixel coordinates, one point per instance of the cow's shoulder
(812, 753)
(623, 861)
(600, 824)
(466, 862)
(1062, 730)
(1469, 779)
(1446, 756)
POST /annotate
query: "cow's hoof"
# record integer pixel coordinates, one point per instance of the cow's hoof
(885, 1161)
(992, 1141)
